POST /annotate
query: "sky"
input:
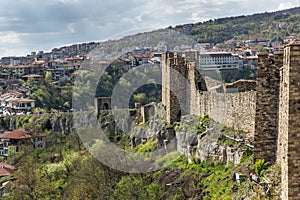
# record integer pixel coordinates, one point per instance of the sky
(34, 25)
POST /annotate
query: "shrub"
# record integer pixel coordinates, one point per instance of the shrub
(260, 167)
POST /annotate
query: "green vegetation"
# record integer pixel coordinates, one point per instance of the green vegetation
(147, 147)
(260, 167)
(50, 96)
(256, 26)
(193, 124)
(149, 92)
(67, 171)
(231, 131)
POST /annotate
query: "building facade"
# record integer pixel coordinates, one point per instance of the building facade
(18, 140)
(220, 61)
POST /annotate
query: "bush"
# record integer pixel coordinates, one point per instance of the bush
(260, 167)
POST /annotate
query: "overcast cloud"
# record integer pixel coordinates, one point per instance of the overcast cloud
(35, 25)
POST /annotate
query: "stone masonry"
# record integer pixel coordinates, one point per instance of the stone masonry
(185, 92)
(288, 154)
(271, 111)
(267, 103)
(181, 81)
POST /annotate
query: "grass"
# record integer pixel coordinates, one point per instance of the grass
(195, 127)
(215, 179)
(146, 148)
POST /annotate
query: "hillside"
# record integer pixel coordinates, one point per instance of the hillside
(273, 26)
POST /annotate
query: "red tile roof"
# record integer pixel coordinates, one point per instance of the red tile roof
(6, 169)
(20, 100)
(16, 134)
(39, 62)
(74, 58)
(20, 134)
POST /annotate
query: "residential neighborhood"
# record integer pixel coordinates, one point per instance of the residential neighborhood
(236, 56)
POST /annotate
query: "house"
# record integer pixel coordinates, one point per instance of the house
(289, 39)
(32, 76)
(26, 91)
(282, 24)
(38, 67)
(36, 77)
(74, 62)
(17, 140)
(139, 59)
(251, 61)
(8, 95)
(6, 169)
(58, 69)
(278, 49)
(21, 70)
(17, 106)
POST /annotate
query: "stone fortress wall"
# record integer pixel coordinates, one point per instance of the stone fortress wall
(191, 95)
(269, 109)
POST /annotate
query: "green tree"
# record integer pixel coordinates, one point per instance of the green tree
(137, 187)
(31, 182)
(48, 77)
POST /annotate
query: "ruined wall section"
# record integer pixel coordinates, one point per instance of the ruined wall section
(190, 96)
(175, 73)
(218, 107)
(289, 129)
(267, 104)
(196, 83)
(235, 110)
(240, 111)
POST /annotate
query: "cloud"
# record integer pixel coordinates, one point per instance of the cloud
(45, 24)
(10, 37)
(71, 28)
(285, 5)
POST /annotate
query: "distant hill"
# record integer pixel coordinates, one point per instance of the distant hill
(273, 26)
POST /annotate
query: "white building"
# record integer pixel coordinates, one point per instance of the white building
(18, 106)
(220, 60)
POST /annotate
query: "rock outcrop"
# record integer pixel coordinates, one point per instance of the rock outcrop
(206, 146)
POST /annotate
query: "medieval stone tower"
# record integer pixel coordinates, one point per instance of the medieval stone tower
(174, 73)
(180, 81)
(288, 150)
(277, 128)
(267, 104)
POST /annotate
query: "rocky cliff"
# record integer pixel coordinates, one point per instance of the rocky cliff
(208, 145)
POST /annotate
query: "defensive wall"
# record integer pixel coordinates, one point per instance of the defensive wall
(268, 108)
